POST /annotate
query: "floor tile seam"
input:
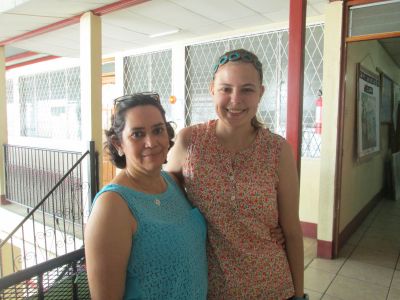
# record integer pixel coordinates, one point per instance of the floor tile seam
(326, 291)
(394, 271)
(367, 227)
(388, 291)
(306, 266)
(393, 252)
(325, 271)
(333, 296)
(313, 290)
(333, 279)
(365, 281)
(322, 270)
(373, 265)
(350, 254)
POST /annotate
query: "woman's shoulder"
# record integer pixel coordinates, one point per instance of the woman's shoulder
(109, 198)
(200, 126)
(116, 186)
(187, 134)
(272, 137)
(110, 191)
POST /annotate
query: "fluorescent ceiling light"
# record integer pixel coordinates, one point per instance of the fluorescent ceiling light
(6, 5)
(164, 33)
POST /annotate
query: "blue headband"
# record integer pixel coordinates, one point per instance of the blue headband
(234, 56)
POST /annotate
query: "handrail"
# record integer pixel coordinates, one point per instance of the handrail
(41, 268)
(3, 242)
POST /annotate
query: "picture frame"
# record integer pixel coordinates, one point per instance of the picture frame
(396, 102)
(368, 112)
(386, 99)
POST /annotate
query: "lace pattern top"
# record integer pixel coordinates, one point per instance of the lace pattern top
(168, 258)
(237, 194)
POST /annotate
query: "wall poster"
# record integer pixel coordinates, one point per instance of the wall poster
(396, 102)
(368, 104)
(386, 99)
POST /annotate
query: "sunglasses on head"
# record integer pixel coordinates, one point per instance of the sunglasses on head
(234, 56)
(135, 96)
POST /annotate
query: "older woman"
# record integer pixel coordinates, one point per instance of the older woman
(143, 239)
(243, 179)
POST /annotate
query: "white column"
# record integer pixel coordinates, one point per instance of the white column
(3, 122)
(178, 86)
(332, 50)
(91, 96)
(119, 74)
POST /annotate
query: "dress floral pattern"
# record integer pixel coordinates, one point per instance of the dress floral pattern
(237, 193)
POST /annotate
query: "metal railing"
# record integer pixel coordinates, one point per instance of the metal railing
(63, 277)
(32, 172)
(55, 225)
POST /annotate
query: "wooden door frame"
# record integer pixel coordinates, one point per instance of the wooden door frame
(342, 90)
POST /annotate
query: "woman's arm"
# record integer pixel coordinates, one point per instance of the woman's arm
(108, 243)
(288, 207)
(177, 154)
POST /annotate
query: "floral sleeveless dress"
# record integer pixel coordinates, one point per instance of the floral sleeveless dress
(237, 194)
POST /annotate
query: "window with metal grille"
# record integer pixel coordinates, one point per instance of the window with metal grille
(150, 72)
(272, 50)
(9, 91)
(12, 109)
(50, 104)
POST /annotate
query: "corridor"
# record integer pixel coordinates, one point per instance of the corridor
(368, 266)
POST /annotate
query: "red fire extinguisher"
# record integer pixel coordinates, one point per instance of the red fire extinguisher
(318, 113)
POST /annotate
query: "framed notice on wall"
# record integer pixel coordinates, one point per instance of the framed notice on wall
(368, 108)
(396, 102)
(386, 99)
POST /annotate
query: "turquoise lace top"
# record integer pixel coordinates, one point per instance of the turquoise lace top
(168, 257)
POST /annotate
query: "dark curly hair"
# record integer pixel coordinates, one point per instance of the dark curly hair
(121, 106)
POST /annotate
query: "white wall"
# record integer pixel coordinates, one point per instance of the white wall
(309, 190)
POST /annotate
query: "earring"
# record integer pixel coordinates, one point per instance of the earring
(120, 153)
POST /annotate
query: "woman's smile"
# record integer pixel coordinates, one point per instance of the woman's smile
(235, 111)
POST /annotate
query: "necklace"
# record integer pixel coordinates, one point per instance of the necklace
(147, 190)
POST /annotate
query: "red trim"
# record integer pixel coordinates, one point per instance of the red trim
(325, 249)
(4, 201)
(21, 56)
(297, 22)
(30, 62)
(109, 8)
(41, 30)
(70, 21)
(309, 229)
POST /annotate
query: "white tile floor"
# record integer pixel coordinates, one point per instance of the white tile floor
(368, 266)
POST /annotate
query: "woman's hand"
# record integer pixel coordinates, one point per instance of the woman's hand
(277, 235)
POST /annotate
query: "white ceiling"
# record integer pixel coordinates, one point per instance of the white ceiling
(130, 28)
